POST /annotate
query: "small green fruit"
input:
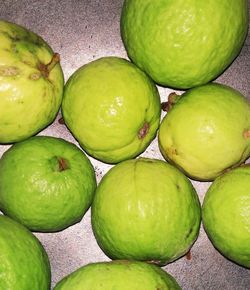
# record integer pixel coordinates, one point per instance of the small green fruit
(145, 209)
(46, 183)
(120, 275)
(31, 83)
(24, 262)
(207, 131)
(226, 214)
(112, 108)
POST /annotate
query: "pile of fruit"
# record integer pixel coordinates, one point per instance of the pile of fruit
(145, 213)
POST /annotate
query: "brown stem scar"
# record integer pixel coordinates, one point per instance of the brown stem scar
(143, 131)
(188, 255)
(62, 164)
(246, 134)
(166, 106)
(47, 68)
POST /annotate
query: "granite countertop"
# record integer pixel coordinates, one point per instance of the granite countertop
(82, 31)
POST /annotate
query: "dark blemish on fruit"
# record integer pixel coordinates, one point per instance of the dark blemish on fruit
(35, 76)
(246, 134)
(62, 164)
(188, 255)
(178, 187)
(47, 68)
(9, 71)
(143, 131)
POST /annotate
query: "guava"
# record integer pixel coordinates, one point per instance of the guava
(206, 131)
(183, 44)
(226, 215)
(121, 275)
(24, 262)
(31, 83)
(112, 108)
(46, 183)
(145, 209)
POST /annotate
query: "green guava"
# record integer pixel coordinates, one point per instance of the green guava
(206, 131)
(112, 108)
(46, 183)
(226, 214)
(145, 209)
(31, 83)
(121, 275)
(183, 44)
(24, 262)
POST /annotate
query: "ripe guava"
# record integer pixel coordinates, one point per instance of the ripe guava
(112, 108)
(145, 209)
(31, 83)
(46, 183)
(206, 131)
(120, 274)
(183, 44)
(226, 214)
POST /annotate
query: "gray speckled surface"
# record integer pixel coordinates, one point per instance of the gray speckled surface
(82, 31)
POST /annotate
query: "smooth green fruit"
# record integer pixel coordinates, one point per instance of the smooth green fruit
(226, 214)
(31, 83)
(120, 275)
(207, 131)
(46, 183)
(24, 262)
(112, 108)
(145, 209)
(183, 44)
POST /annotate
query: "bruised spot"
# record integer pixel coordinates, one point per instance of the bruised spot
(246, 134)
(9, 71)
(62, 164)
(35, 76)
(143, 131)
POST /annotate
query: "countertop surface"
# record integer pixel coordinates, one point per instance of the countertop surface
(81, 31)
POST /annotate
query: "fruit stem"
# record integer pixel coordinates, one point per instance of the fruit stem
(143, 131)
(62, 164)
(172, 99)
(47, 68)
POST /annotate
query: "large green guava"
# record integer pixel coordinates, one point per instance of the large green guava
(183, 43)
(145, 209)
(207, 131)
(120, 275)
(112, 108)
(31, 83)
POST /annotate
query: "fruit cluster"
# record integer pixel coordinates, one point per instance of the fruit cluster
(145, 213)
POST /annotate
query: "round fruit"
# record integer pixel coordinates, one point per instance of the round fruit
(145, 209)
(31, 83)
(206, 131)
(24, 262)
(46, 183)
(112, 108)
(126, 275)
(183, 44)
(226, 214)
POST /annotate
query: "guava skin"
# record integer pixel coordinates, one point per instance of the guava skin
(145, 209)
(46, 183)
(226, 215)
(119, 274)
(183, 44)
(207, 131)
(31, 83)
(112, 108)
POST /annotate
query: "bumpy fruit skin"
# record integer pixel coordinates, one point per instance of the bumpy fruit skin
(120, 274)
(30, 92)
(226, 214)
(24, 262)
(112, 108)
(207, 131)
(183, 43)
(145, 209)
(46, 183)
